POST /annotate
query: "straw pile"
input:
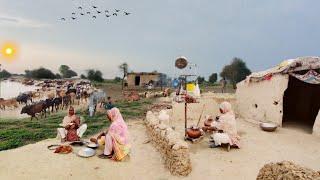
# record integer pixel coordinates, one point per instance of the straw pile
(174, 150)
(287, 170)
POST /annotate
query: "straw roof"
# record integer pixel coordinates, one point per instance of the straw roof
(287, 66)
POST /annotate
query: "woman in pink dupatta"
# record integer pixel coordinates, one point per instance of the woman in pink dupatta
(117, 144)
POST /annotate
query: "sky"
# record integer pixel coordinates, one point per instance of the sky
(208, 32)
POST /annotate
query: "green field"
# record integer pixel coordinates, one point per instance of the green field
(17, 133)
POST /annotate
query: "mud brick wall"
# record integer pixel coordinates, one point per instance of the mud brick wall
(173, 149)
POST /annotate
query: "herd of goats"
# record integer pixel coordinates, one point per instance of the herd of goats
(66, 93)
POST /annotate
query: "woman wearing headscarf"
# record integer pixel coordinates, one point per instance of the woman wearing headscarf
(225, 127)
(116, 138)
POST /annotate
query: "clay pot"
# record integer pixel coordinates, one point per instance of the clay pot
(193, 133)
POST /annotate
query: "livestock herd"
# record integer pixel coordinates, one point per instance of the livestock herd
(55, 95)
(52, 96)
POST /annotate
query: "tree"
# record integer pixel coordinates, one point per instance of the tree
(95, 75)
(200, 80)
(40, 73)
(5, 74)
(236, 71)
(213, 78)
(117, 79)
(58, 76)
(66, 72)
(82, 76)
(124, 69)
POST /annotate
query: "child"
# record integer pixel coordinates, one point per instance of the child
(109, 105)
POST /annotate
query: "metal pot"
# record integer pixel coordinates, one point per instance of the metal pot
(269, 127)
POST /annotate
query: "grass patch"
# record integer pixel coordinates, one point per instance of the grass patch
(16, 133)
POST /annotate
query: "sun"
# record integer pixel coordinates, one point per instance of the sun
(8, 51)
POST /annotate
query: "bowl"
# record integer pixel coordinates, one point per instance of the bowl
(77, 143)
(269, 127)
(193, 133)
(86, 152)
(92, 145)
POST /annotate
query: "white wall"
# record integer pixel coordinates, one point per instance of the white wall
(316, 126)
(263, 94)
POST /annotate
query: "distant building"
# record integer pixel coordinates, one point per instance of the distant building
(143, 79)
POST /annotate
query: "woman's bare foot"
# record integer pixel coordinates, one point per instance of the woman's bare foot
(102, 156)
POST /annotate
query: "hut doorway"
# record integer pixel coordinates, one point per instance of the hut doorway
(301, 104)
(137, 81)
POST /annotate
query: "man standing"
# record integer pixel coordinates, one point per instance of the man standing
(71, 129)
(223, 85)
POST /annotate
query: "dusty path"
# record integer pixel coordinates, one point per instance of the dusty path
(258, 148)
(36, 162)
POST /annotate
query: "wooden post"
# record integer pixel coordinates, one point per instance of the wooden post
(185, 108)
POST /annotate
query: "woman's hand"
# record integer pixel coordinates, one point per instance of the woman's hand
(73, 126)
(100, 135)
(212, 128)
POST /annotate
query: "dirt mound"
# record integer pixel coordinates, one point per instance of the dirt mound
(287, 170)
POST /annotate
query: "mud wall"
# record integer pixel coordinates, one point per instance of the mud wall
(174, 150)
(262, 101)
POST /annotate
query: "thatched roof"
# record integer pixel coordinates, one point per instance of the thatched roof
(286, 67)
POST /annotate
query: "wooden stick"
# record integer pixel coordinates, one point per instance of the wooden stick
(201, 115)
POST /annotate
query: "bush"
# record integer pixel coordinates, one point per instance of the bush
(95, 75)
(213, 78)
(201, 80)
(40, 73)
(66, 72)
(117, 79)
(5, 74)
(82, 76)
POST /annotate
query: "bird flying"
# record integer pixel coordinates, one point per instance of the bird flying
(117, 10)
(63, 19)
(126, 13)
(95, 7)
(79, 7)
(115, 14)
(73, 18)
(98, 12)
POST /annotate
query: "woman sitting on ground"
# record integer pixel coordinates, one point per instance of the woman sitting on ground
(225, 127)
(116, 139)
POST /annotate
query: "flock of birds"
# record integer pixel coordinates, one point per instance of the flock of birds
(94, 12)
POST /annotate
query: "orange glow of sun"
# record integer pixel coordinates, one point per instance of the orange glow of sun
(8, 51)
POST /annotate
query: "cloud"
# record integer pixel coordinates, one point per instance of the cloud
(12, 21)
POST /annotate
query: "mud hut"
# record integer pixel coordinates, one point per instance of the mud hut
(288, 94)
(142, 79)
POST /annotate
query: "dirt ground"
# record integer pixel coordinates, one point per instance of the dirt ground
(35, 161)
(258, 148)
